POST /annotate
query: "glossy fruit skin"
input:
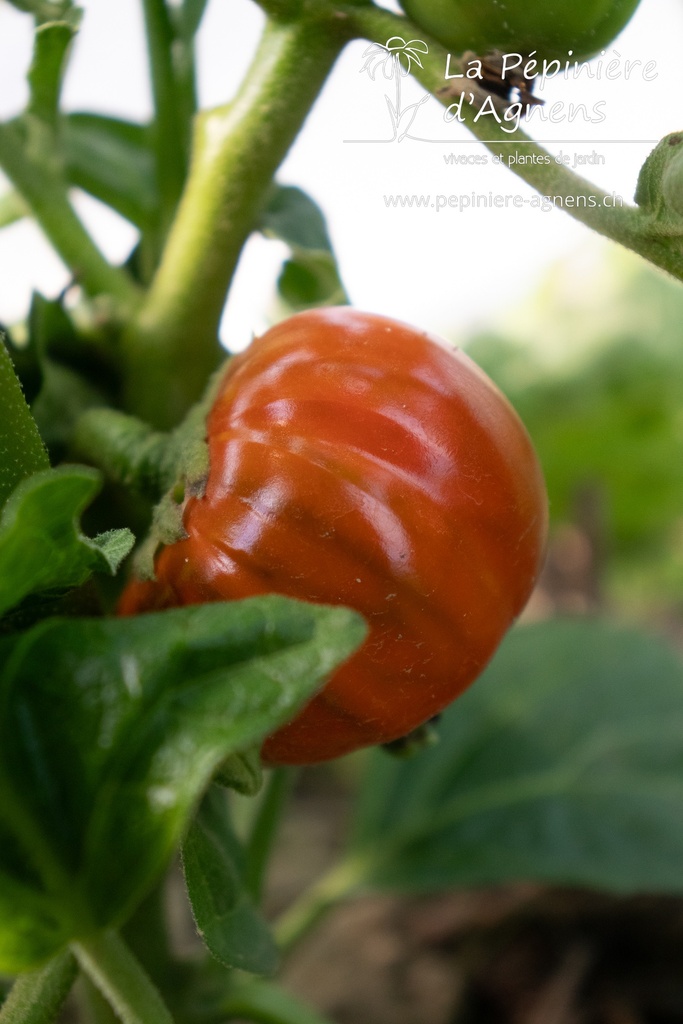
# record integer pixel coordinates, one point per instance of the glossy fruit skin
(550, 27)
(355, 460)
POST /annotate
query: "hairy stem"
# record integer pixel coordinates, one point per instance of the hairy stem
(258, 1000)
(37, 996)
(264, 828)
(341, 881)
(109, 963)
(38, 180)
(172, 346)
(127, 450)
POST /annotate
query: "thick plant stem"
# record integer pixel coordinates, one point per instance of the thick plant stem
(109, 963)
(628, 225)
(172, 346)
(37, 997)
(42, 188)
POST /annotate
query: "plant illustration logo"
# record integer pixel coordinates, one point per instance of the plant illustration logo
(396, 58)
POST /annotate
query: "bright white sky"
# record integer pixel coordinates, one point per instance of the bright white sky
(446, 271)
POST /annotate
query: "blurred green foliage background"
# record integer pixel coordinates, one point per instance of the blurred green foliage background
(594, 365)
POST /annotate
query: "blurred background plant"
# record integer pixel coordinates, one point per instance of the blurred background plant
(594, 364)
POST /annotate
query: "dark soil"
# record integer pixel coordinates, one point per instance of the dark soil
(518, 955)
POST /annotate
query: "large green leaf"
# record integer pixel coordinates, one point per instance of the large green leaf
(41, 545)
(110, 729)
(226, 918)
(564, 763)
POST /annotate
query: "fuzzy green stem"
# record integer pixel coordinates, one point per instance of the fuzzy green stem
(109, 963)
(93, 1007)
(35, 174)
(173, 344)
(127, 450)
(340, 882)
(257, 1000)
(628, 225)
(264, 828)
(37, 996)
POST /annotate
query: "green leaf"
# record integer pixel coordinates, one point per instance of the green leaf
(47, 325)
(54, 338)
(50, 327)
(311, 278)
(110, 730)
(67, 374)
(22, 451)
(51, 45)
(25, 362)
(112, 159)
(227, 920)
(242, 772)
(13, 207)
(41, 545)
(563, 764)
(52, 333)
(292, 216)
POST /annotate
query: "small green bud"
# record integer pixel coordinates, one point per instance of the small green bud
(660, 183)
(672, 183)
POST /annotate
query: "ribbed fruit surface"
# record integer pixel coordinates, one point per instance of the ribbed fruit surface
(355, 460)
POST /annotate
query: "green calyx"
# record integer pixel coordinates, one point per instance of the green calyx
(169, 468)
(421, 738)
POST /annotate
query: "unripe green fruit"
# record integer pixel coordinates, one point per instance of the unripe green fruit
(550, 27)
